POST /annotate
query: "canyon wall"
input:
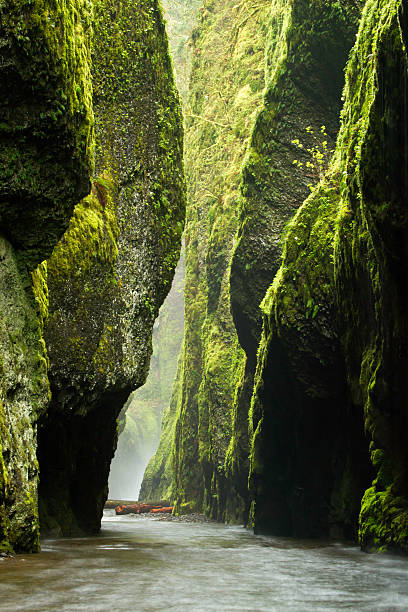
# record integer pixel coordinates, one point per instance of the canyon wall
(329, 389)
(46, 138)
(111, 271)
(226, 86)
(75, 331)
(304, 433)
(239, 155)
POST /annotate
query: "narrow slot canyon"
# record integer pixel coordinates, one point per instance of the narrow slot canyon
(203, 298)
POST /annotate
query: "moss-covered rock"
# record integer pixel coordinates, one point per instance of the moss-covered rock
(290, 146)
(110, 273)
(309, 463)
(371, 256)
(46, 123)
(226, 86)
(307, 47)
(24, 395)
(300, 51)
(331, 363)
(46, 138)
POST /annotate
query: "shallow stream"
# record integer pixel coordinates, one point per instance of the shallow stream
(149, 565)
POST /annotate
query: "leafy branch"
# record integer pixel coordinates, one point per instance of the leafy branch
(319, 153)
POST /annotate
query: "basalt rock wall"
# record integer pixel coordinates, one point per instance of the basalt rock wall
(243, 189)
(292, 139)
(226, 86)
(328, 413)
(112, 269)
(317, 219)
(46, 158)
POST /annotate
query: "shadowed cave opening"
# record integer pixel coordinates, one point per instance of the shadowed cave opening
(299, 492)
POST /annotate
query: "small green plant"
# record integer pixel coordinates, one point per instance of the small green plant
(319, 154)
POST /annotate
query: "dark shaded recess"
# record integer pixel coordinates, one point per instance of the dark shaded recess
(75, 455)
(313, 455)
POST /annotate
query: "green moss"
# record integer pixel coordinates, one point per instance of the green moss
(86, 254)
(306, 50)
(46, 134)
(225, 90)
(383, 522)
(303, 86)
(111, 271)
(339, 280)
(23, 358)
(371, 224)
(136, 101)
(46, 150)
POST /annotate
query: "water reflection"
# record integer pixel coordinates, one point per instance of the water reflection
(137, 563)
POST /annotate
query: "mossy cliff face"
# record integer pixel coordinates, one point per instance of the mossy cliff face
(144, 411)
(282, 44)
(24, 395)
(46, 120)
(371, 262)
(114, 266)
(227, 80)
(330, 380)
(45, 158)
(307, 47)
(309, 463)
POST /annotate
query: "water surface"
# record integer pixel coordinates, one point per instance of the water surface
(141, 564)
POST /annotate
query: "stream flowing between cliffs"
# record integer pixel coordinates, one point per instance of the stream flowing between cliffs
(149, 565)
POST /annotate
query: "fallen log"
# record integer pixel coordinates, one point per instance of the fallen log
(164, 509)
(139, 508)
(111, 504)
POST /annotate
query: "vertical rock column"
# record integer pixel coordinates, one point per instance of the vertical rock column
(226, 84)
(111, 271)
(371, 262)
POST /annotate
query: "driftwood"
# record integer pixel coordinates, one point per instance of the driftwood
(143, 508)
